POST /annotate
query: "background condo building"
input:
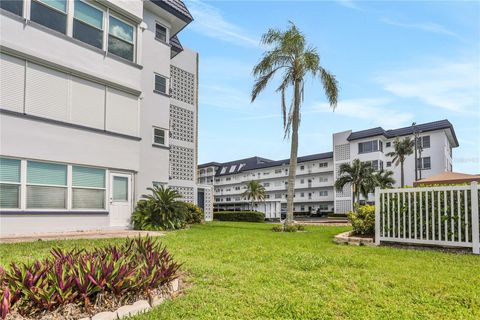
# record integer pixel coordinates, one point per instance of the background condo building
(316, 174)
(98, 102)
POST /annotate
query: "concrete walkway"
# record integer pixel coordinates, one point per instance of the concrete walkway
(95, 234)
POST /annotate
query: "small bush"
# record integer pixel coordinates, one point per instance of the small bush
(137, 267)
(288, 228)
(363, 220)
(247, 216)
(162, 210)
(193, 213)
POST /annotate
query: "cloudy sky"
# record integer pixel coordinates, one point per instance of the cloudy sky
(396, 62)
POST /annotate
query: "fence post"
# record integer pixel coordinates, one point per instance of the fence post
(377, 216)
(475, 220)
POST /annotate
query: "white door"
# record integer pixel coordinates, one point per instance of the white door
(120, 199)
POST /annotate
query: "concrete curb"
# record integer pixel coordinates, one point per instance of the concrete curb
(348, 238)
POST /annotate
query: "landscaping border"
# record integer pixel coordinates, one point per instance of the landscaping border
(349, 238)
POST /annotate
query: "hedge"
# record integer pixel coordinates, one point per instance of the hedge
(249, 216)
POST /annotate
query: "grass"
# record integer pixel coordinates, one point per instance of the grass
(246, 271)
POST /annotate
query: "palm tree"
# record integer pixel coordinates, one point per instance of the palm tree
(383, 179)
(290, 55)
(255, 192)
(402, 149)
(359, 175)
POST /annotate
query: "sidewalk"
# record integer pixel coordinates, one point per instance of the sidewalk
(95, 234)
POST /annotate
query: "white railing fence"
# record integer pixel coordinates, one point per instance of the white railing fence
(444, 216)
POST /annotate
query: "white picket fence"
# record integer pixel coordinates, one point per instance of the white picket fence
(443, 216)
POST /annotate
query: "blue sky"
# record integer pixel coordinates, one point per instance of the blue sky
(396, 62)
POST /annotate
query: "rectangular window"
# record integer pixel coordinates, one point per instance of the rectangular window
(120, 188)
(370, 146)
(424, 163)
(121, 38)
(389, 163)
(278, 170)
(46, 185)
(14, 6)
(388, 144)
(88, 188)
(88, 24)
(50, 13)
(159, 136)
(9, 183)
(160, 84)
(160, 32)
(426, 142)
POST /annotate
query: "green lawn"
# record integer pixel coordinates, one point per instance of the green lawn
(245, 271)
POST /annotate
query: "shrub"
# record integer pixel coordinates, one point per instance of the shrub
(161, 210)
(248, 216)
(193, 213)
(139, 266)
(288, 228)
(363, 220)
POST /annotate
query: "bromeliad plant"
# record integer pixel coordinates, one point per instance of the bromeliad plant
(139, 266)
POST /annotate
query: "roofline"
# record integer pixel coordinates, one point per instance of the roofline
(385, 133)
(173, 11)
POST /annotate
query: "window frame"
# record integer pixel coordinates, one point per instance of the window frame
(167, 32)
(72, 186)
(66, 187)
(134, 35)
(66, 14)
(165, 136)
(19, 184)
(105, 24)
(167, 84)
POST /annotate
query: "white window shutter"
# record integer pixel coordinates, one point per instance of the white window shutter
(47, 92)
(12, 83)
(87, 103)
(122, 112)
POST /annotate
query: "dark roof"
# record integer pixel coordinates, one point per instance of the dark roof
(423, 127)
(254, 163)
(176, 46)
(175, 7)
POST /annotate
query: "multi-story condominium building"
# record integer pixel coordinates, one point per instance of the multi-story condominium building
(98, 102)
(316, 174)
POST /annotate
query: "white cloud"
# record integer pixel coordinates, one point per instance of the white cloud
(210, 22)
(451, 85)
(423, 26)
(221, 96)
(349, 4)
(376, 111)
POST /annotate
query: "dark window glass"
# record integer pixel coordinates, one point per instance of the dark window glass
(120, 48)
(426, 142)
(388, 144)
(87, 34)
(159, 136)
(14, 6)
(160, 33)
(389, 164)
(48, 17)
(160, 84)
(426, 163)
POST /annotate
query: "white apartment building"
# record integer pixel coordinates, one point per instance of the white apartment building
(316, 174)
(98, 101)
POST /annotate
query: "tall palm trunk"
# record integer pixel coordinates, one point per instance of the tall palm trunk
(401, 174)
(293, 153)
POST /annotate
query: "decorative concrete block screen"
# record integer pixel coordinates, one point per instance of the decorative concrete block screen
(187, 193)
(342, 152)
(208, 202)
(444, 216)
(183, 85)
(182, 124)
(181, 163)
(343, 206)
(347, 189)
